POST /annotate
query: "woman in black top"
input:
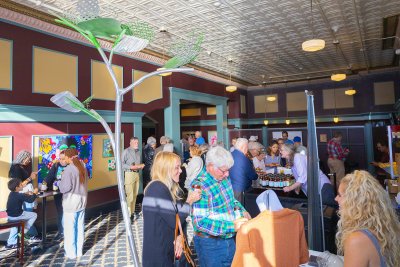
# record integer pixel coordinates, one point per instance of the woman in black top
(148, 156)
(160, 203)
(21, 166)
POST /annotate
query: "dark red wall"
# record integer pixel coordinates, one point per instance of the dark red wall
(22, 132)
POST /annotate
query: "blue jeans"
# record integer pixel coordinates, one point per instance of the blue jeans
(214, 252)
(32, 231)
(28, 217)
(74, 235)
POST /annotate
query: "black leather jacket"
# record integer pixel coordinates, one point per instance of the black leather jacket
(148, 156)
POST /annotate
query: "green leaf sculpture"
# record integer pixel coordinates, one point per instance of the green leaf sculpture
(185, 52)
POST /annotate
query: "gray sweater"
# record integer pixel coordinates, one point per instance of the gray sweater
(74, 193)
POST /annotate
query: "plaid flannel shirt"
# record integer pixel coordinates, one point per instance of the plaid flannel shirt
(213, 214)
(335, 150)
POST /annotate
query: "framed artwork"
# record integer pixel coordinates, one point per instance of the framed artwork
(49, 151)
(111, 165)
(107, 149)
(323, 138)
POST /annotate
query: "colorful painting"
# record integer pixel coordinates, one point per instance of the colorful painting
(107, 149)
(111, 165)
(49, 151)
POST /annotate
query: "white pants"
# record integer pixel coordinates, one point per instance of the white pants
(74, 235)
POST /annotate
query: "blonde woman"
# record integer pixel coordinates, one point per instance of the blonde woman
(73, 186)
(368, 229)
(194, 166)
(160, 203)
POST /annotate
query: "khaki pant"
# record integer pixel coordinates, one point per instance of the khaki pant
(336, 166)
(131, 190)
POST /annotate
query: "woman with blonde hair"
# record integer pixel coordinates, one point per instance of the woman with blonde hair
(368, 229)
(160, 204)
(73, 186)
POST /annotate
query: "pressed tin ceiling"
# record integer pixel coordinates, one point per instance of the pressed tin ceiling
(263, 37)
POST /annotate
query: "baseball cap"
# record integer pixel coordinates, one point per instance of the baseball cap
(297, 139)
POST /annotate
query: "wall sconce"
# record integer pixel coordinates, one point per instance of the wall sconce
(265, 122)
(350, 92)
(271, 98)
(335, 119)
(287, 122)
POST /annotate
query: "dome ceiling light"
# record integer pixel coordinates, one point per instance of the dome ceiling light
(313, 44)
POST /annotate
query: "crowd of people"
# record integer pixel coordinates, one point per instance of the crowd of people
(224, 232)
(211, 197)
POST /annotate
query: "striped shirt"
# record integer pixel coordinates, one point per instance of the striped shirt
(213, 214)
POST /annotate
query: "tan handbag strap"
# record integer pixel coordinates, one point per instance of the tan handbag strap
(186, 249)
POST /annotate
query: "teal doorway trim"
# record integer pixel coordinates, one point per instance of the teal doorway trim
(172, 116)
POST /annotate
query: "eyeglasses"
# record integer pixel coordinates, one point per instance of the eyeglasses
(223, 171)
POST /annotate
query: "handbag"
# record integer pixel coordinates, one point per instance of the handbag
(186, 249)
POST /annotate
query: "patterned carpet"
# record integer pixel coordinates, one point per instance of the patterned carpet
(105, 245)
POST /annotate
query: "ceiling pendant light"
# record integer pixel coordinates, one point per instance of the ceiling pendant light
(164, 74)
(313, 44)
(338, 77)
(350, 92)
(163, 31)
(265, 122)
(287, 121)
(230, 88)
(271, 98)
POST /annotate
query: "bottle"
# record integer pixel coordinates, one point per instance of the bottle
(236, 212)
(43, 187)
(55, 186)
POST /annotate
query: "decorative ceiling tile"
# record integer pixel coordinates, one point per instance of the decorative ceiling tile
(263, 37)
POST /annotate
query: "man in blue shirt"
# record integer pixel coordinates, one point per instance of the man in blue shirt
(242, 171)
(199, 139)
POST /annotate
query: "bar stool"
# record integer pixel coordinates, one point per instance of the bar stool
(20, 241)
(333, 175)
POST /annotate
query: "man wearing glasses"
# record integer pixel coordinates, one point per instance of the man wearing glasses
(217, 215)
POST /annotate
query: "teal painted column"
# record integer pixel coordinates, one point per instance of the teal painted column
(172, 122)
(369, 145)
(222, 124)
(265, 136)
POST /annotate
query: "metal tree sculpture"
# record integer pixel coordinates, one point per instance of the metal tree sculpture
(131, 37)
